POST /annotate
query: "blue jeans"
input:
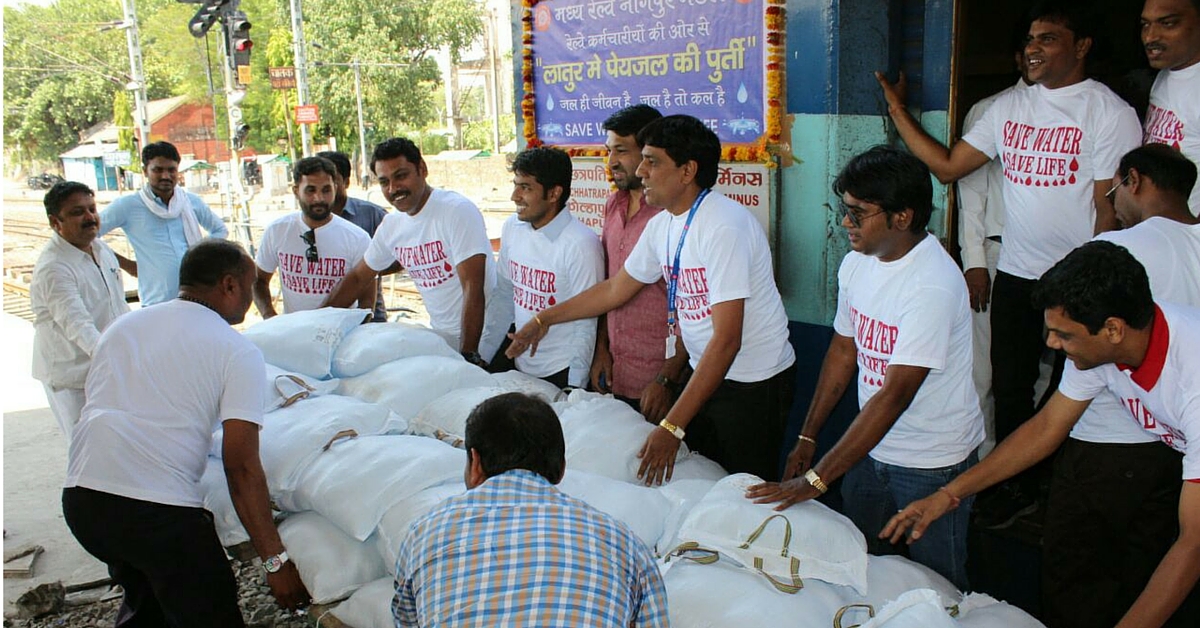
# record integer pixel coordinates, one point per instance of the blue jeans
(874, 491)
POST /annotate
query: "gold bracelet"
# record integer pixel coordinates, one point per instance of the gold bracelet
(808, 439)
(538, 320)
(816, 481)
(675, 430)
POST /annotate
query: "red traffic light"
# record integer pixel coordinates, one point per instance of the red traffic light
(243, 45)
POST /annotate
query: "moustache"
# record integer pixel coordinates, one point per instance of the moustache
(89, 224)
(401, 195)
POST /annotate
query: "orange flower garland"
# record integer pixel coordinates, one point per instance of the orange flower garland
(763, 150)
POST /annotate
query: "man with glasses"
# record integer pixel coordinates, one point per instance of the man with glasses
(312, 249)
(903, 337)
(1060, 143)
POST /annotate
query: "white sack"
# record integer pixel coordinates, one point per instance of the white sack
(978, 610)
(919, 608)
(695, 466)
(827, 544)
(722, 596)
(331, 564)
(358, 480)
(370, 346)
(516, 381)
(288, 385)
(604, 436)
(682, 495)
(398, 520)
(642, 509)
(369, 607)
(408, 385)
(449, 412)
(888, 577)
(215, 489)
(305, 341)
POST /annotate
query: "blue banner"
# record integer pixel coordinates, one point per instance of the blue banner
(592, 58)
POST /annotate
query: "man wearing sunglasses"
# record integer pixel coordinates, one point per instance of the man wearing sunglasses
(903, 337)
(312, 249)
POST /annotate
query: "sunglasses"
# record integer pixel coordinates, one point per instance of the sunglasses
(310, 238)
(1110, 193)
(856, 219)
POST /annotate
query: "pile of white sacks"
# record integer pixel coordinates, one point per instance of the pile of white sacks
(362, 436)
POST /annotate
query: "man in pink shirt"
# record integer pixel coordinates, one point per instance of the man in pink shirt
(628, 361)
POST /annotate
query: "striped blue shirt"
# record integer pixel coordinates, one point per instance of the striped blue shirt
(515, 551)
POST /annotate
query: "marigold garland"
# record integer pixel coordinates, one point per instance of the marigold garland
(762, 150)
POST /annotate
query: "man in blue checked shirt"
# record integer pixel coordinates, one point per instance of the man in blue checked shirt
(513, 550)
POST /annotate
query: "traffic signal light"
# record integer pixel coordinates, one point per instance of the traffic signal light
(239, 43)
(238, 129)
(205, 16)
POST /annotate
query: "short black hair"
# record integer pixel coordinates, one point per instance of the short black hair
(211, 259)
(160, 149)
(549, 166)
(1169, 169)
(340, 160)
(1097, 281)
(631, 119)
(892, 179)
(60, 192)
(396, 147)
(517, 431)
(1074, 15)
(685, 138)
(312, 165)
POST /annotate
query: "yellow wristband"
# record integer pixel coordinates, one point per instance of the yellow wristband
(816, 481)
(675, 430)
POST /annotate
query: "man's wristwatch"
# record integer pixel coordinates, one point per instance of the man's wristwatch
(272, 564)
(662, 380)
(474, 358)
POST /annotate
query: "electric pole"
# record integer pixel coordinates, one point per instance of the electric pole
(137, 84)
(301, 64)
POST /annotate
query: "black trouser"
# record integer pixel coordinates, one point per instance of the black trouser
(167, 559)
(1017, 346)
(1113, 513)
(741, 425)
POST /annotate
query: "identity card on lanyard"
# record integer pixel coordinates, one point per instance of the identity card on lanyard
(673, 279)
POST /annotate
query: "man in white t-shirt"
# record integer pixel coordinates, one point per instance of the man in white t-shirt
(164, 379)
(903, 331)
(980, 226)
(1171, 36)
(312, 249)
(439, 237)
(1100, 312)
(1114, 495)
(548, 256)
(75, 293)
(727, 310)
(1060, 141)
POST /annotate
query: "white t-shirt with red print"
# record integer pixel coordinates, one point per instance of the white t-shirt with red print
(1173, 117)
(547, 266)
(304, 284)
(1170, 251)
(725, 257)
(1161, 395)
(914, 311)
(447, 231)
(1054, 145)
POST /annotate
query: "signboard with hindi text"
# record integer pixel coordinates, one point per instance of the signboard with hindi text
(591, 58)
(746, 183)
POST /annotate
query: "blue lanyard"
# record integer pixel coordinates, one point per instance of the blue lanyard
(673, 279)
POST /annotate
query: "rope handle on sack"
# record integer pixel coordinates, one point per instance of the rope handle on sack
(708, 556)
(339, 436)
(787, 534)
(837, 618)
(783, 587)
(305, 391)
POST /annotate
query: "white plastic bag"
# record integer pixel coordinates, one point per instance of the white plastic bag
(642, 509)
(682, 495)
(919, 608)
(408, 385)
(369, 607)
(357, 480)
(331, 564)
(285, 388)
(888, 577)
(370, 346)
(217, 501)
(604, 436)
(398, 520)
(978, 610)
(807, 540)
(516, 381)
(449, 412)
(305, 341)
